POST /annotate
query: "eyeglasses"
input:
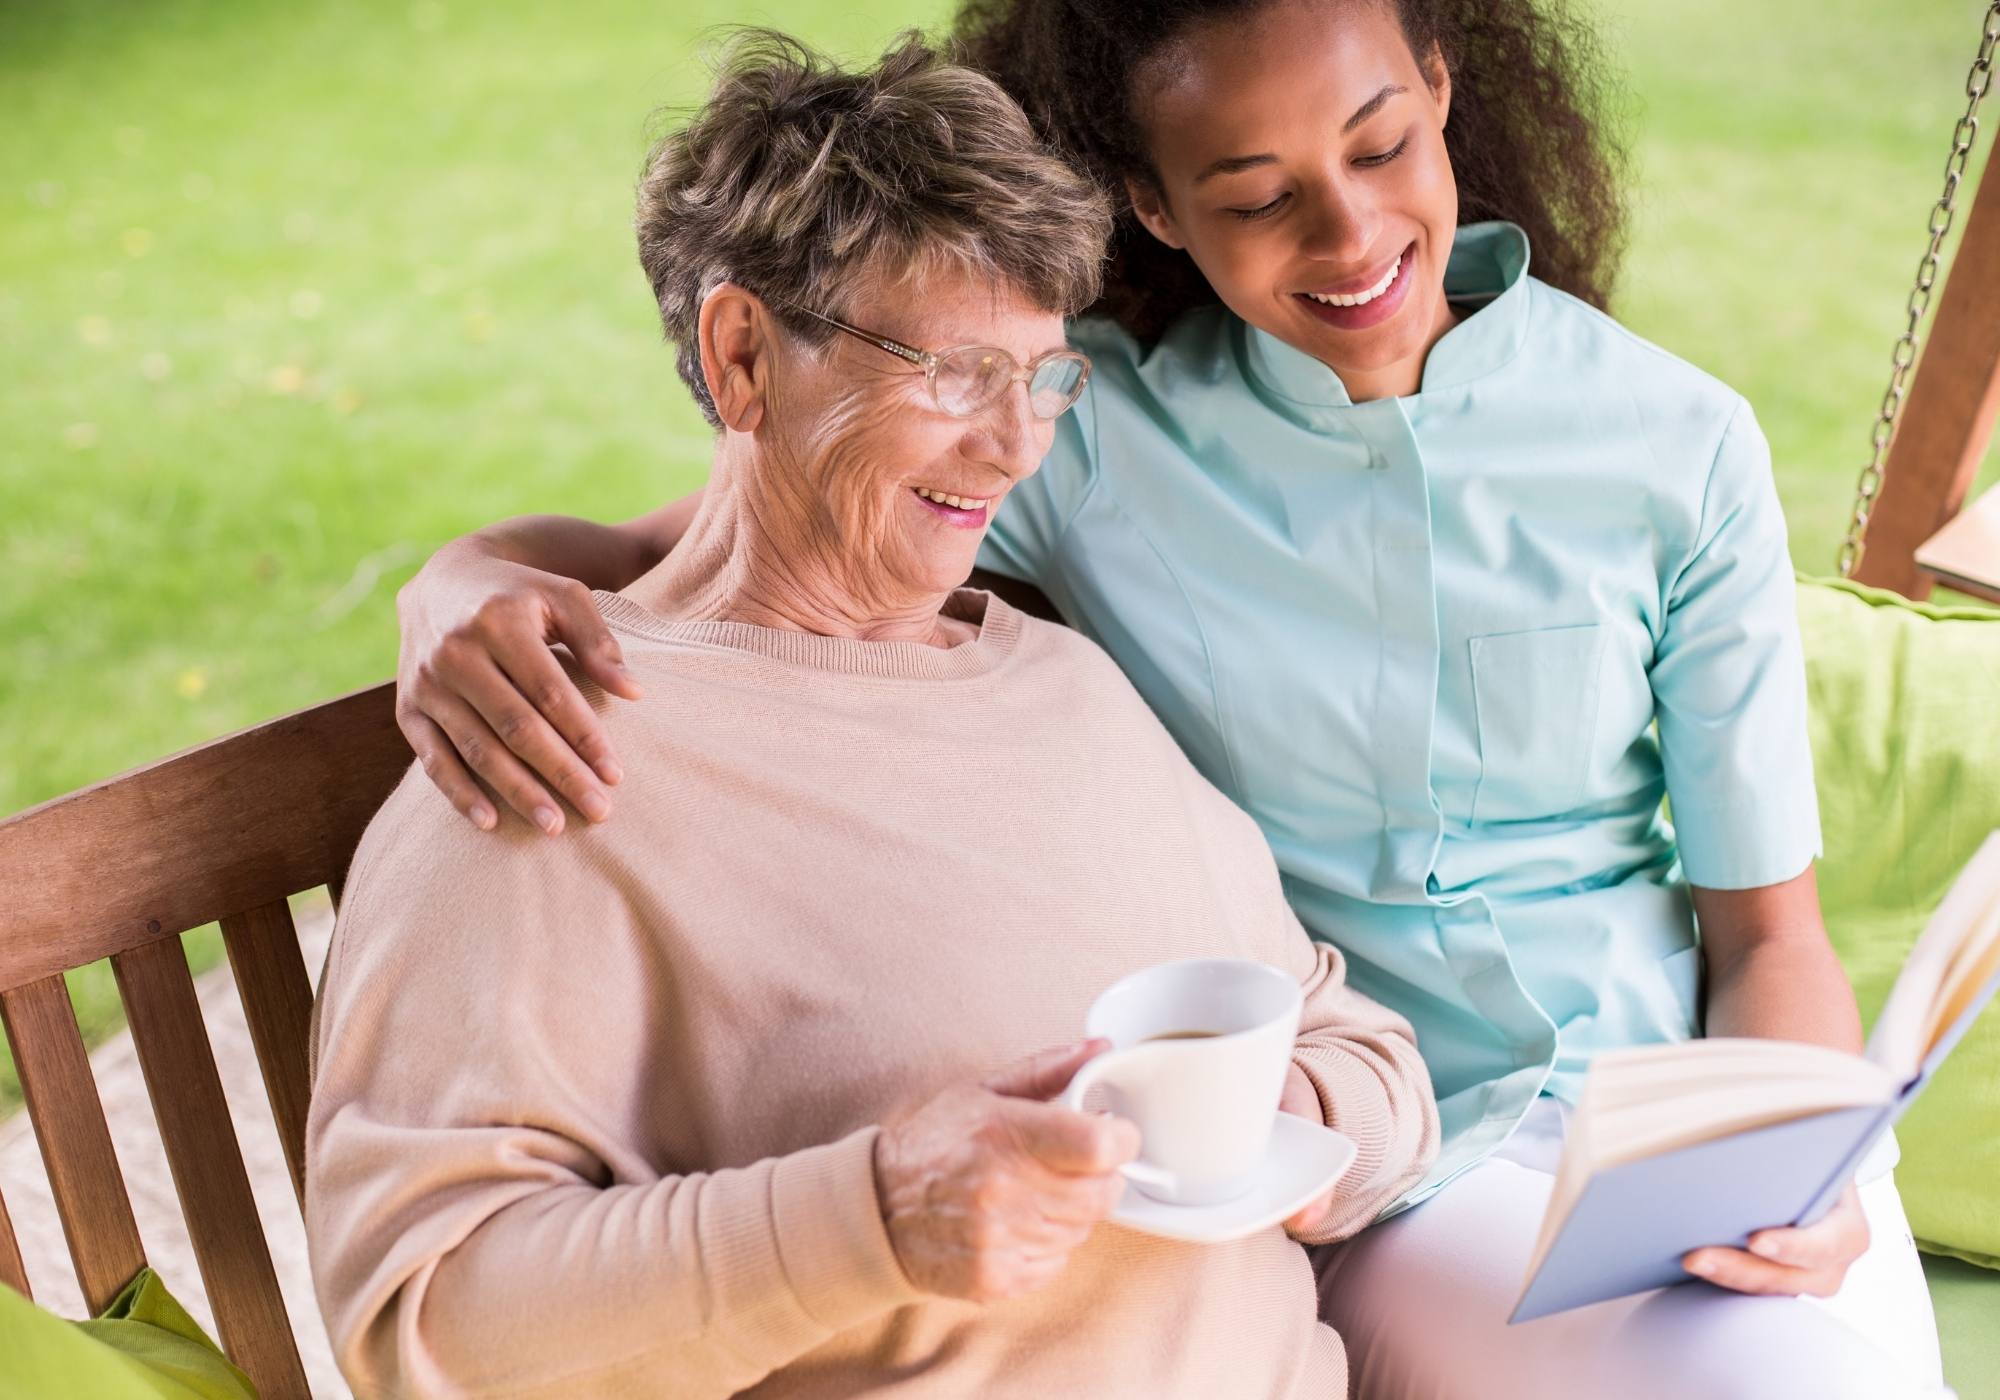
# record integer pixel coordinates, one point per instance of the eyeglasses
(968, 379)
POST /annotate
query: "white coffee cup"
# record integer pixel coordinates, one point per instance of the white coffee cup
(1203, 1106)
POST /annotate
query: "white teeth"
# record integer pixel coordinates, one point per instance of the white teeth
(955, 502)
(1361, 298)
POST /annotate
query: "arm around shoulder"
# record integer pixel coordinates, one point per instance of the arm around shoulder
(594, 554)
(479, 694)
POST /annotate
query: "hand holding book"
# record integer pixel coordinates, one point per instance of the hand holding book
(1700, 1143)
(1790, 1260)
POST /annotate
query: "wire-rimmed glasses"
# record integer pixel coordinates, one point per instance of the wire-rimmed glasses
(968, 379)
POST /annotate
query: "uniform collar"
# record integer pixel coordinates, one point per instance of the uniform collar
(1489, 264)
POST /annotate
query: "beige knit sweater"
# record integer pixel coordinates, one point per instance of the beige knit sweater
(595, 1115)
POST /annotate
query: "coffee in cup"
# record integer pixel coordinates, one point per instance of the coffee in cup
(1199, 1054)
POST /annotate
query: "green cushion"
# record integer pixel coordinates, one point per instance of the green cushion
(1906, 750)
(1967, 1301)
(144, 1347)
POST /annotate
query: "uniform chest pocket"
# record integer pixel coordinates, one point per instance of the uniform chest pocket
(1536, 697)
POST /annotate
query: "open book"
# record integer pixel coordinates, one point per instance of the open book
(1704, 1142)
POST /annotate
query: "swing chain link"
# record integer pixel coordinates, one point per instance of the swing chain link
(1963, 134)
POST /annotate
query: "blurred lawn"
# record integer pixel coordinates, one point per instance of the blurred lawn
(296, 292)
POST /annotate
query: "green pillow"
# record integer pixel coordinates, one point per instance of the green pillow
(1905, 717)
(144, 1347)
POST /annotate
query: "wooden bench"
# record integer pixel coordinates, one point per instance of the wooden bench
(223, 832)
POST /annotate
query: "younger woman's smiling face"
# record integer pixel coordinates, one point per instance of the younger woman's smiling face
(1301, 161)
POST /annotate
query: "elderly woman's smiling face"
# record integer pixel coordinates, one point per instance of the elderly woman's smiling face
(852, 465)
(914, 202)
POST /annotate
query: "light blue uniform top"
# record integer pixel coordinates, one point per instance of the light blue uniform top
(1425, 642)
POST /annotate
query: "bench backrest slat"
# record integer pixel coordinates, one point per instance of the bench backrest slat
(277, 1002)
(230, 825)
(200, 1141)
(84, 1178)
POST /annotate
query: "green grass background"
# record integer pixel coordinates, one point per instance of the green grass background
(291, 293)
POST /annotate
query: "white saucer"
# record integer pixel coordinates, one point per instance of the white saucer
(1302, 1161)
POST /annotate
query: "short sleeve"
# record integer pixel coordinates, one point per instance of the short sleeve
(1028, 528)
(1729, 684)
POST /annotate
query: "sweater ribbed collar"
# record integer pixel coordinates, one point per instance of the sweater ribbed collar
(999, 629)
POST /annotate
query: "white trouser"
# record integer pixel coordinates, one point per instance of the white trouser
(1422, 1301)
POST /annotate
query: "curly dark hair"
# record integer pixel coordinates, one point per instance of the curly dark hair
(1533, 133)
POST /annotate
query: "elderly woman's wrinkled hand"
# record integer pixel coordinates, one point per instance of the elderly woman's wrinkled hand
(478, 688)
(988, 1187)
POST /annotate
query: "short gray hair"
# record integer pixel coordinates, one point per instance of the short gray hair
(796, 178)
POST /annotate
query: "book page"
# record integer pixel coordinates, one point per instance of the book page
(1663, 1074)
(1910, 1019)
(1968, 977)
(1645, 1129)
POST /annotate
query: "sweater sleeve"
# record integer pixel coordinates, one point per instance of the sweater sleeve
(1373, 1086)
(485, 1209)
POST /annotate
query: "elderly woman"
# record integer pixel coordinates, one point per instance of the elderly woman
(742, 1091)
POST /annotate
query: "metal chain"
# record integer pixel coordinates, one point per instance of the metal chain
(1963, 135)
